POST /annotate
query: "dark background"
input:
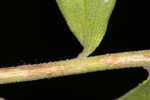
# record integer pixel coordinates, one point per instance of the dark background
(34, 31)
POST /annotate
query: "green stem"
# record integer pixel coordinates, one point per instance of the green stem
(75, 66)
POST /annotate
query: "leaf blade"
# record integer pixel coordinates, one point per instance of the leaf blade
(142, 92)
(87, 20)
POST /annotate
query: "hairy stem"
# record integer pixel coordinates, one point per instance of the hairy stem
(75, 66)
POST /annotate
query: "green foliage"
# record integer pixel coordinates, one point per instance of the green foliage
(87, 20)
(142, 92)
(2, 98)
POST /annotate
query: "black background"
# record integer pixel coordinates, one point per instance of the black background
(34, 31)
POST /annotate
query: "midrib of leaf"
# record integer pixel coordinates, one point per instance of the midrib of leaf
(85, 25)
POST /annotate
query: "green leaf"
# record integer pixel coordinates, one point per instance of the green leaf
(2, 98)
(142, 92)
(87, 20)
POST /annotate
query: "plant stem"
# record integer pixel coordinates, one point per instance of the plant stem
(75, 66)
